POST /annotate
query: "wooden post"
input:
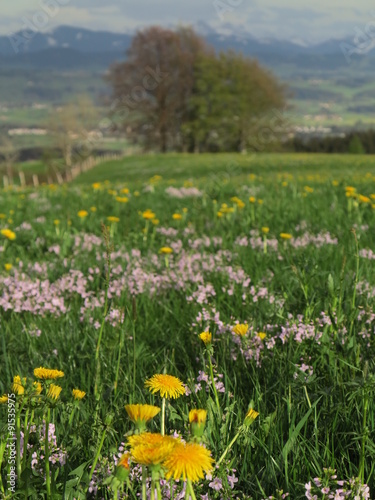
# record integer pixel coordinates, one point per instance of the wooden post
(59, 178)
(35, 180)
(5, 181)
(22, 178)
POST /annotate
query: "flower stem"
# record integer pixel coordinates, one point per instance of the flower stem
(46, 453)
(121, 341)
(26, 436)
(152, 489)
(213, 382)
(97, 455)
(144, 478)
(190, 490)
(158, 490)
(105, 311)
(229, 446)
(361, 473)
(163, 416)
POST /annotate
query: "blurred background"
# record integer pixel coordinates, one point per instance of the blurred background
(80, 80)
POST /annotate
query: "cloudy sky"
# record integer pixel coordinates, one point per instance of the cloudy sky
(310, 20)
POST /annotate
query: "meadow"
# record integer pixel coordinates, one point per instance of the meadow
(232, 294)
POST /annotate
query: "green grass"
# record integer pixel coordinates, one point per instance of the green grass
(206, 167)
(312, 296)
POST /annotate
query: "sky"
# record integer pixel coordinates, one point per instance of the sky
(307, 20)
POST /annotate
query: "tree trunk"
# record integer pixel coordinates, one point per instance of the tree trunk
(68, 155)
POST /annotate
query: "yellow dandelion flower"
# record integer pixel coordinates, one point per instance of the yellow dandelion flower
(241, 329)
(113, 218)
(82, 214)
(308, 189)
(125, 191)
(3, 216)
(286, 236)
(78, 395)
(96, 185)
(166, 250)
(335, 183)
(155, 221)
(112, 192)
(3, 399)
(250, 416)
(198, 416)
(136, 193)
(122, 199)
(18, 386)
(219, 214)
(168, 386)
(142, 413)
(350, 189)
(252, 199)
(261, 335)
(206, 337)
(177, 216)
(37, 388)
(372, 196)
(47, 373)
(8, 266)
(93, 209)
(54, 391)
(9, 234)
(265, 230)
(56, 222)
(148, 214)
(151, 449)
(185, 210)
(188, 461)
(364, 199)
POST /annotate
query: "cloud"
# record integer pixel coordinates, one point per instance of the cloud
(312, 19)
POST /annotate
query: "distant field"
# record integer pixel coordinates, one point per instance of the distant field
(228, 167)
(338, 98)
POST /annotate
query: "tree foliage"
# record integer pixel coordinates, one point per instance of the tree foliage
(174, 93)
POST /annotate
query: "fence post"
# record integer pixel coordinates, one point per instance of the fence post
(35, 180)
(59, 178)
(22, 178)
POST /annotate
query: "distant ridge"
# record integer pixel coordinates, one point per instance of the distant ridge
(68, 47)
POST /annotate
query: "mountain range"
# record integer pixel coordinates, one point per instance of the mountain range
(68, 47)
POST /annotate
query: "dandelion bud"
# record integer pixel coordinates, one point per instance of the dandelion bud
(123, 469)
(251, 415)
(197, 419)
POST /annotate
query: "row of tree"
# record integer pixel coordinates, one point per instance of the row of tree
(359, 142)
(174, 92)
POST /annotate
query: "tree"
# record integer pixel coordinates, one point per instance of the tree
(174, 92)
(70, 125)
(152, 88)
(356, 146)
(235, 104)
